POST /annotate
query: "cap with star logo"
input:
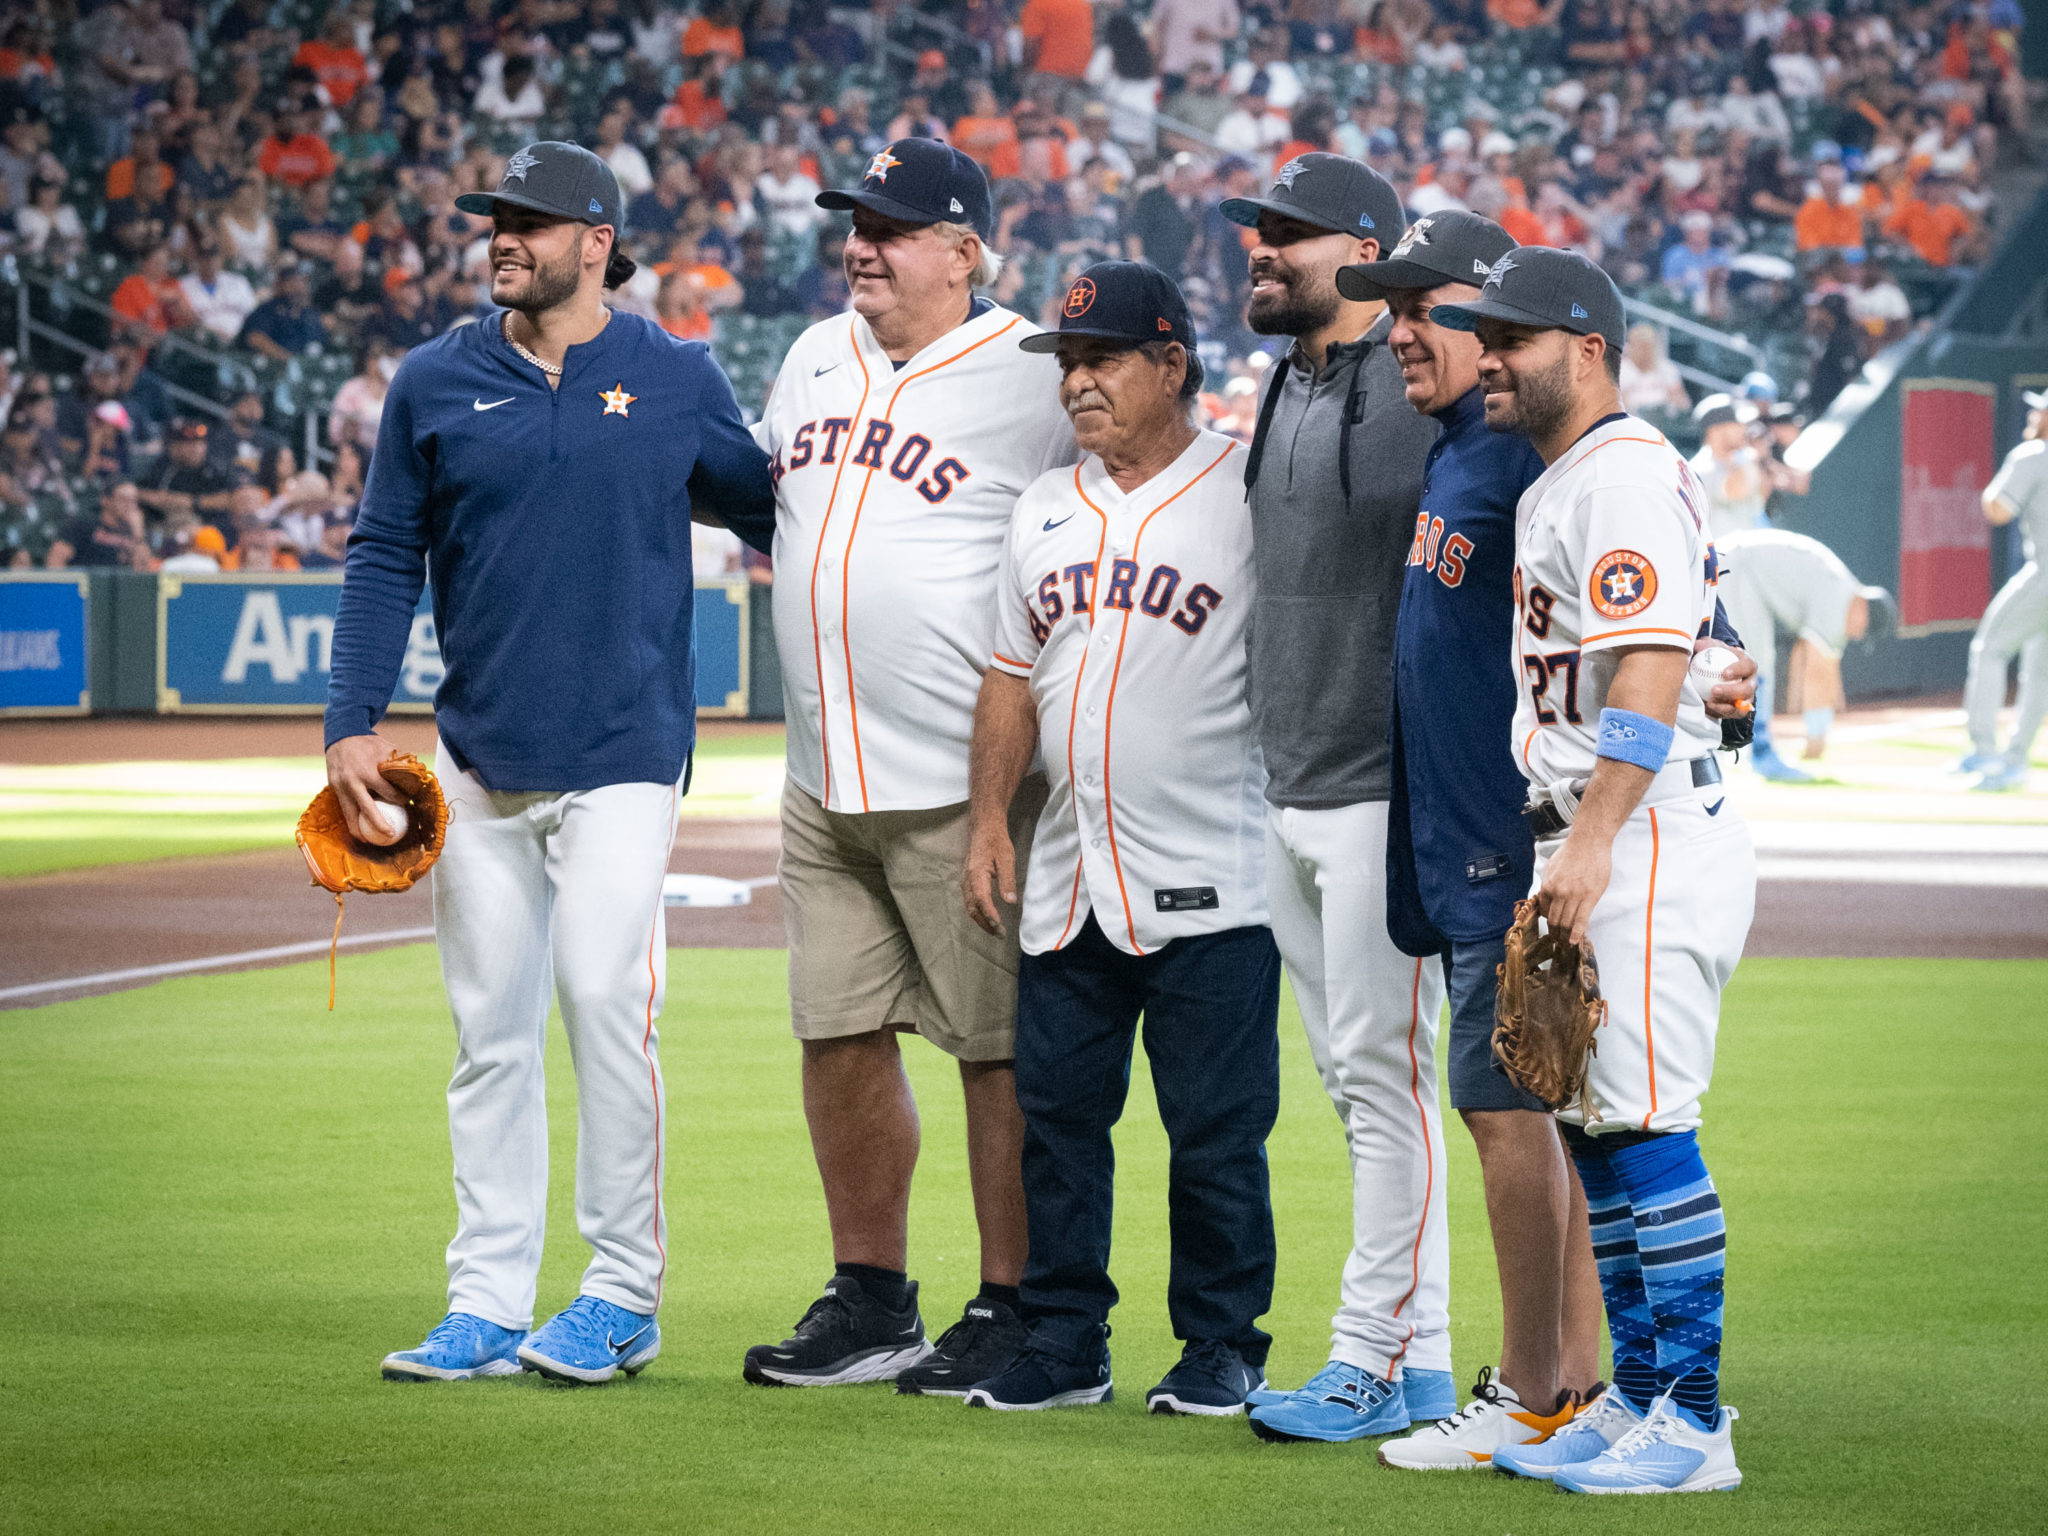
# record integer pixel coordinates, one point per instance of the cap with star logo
(1127, 301)
(1332, 192)
(1449, 247)
(565, 180)
(920, 181)
(1549, 289)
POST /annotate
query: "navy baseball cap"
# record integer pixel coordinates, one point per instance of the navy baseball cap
(1449, 247)
(1549, 289)
(565, 180)
(921, 181)
(1125, 301)
(1332, 192)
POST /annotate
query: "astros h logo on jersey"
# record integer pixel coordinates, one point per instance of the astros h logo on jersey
(1624, 583)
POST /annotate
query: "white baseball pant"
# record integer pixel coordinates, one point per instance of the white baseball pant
(1667, 934)
(538, 894)
(2016, 621)
(1371, 1014)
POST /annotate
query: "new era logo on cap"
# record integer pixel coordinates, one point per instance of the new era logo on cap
(1480, 268)
(1578, 311)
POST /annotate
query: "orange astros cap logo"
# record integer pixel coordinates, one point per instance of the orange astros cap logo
(1079, 297)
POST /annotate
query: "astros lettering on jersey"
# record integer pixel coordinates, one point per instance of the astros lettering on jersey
(1611, 551)
(1127, 613)
(894, 488)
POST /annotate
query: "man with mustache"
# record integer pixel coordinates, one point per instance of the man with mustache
(1637, 853)
(902, 435)
(1334, 477)
(542, 468)
(1119, 655)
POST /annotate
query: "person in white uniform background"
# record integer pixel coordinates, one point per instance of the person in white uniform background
(1638, 852)
(1120, 653)
(2016, 623)
(902, 435)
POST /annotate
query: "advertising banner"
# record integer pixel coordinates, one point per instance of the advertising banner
(235, 644)
(1944, 543)
(44, 669)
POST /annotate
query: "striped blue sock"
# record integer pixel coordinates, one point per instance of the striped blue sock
(1621, 1273)
(1683, 1242)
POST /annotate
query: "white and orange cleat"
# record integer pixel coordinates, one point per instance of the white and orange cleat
(1494, 1419)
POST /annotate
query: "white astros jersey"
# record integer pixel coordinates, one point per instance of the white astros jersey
(1610, 551)
(1128, 615)
(894, 488)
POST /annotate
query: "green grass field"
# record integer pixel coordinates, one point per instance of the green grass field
(219, 1205)
(78, 815)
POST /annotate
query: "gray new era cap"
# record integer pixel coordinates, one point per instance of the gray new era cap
(1549, 289)
(1450, 247)
(565, 180)
(1331, 192)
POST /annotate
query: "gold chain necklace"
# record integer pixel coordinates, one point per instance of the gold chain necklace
(552, 370)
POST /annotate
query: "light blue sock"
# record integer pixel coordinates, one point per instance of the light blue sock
(1629, 1322)
(1682, 1240)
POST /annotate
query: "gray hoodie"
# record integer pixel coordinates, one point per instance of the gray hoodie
(1330, 563)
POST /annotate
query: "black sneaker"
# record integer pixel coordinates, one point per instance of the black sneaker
(1211, 1379)
(846, 1337)
(985, 1342)
(1039, 1380)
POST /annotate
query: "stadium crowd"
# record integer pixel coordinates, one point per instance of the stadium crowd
(252, 202)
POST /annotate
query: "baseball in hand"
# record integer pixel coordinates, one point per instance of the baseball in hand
(390, 819)
(1708, 665)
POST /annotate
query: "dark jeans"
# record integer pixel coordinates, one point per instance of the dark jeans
(1210, 1006)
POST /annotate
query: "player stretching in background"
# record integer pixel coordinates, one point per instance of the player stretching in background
(1637, 850)
(541, 465)
(2017, 620)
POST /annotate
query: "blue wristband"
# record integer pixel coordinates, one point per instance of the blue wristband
(1628, 737)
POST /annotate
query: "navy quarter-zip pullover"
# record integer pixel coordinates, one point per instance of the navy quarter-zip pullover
(555, 527)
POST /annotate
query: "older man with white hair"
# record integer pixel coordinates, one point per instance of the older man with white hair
(901, 436)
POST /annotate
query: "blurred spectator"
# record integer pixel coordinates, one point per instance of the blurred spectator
(49, 228)
(247, 232)
(114, 538)
(203, 173)
(1690, 266)
(1729, 468)
(766, 294)
(187, 481)
(1200, 102)
(260, 549)
(1095, 145)
(194, 547)
(1935, 225)
(367, 144)
(1188, 33)
(986, 134)
(680, 309)
(620, 153)
(1650, 381)
(286, 324)
(244, 447)
(1831, 218)
(1878, 305)
(332, 59)
(408, 316)
(1838, 352)
(1059, 38)
(1162, 224)
(511, 93)
(150, 299)
(787, 196)
(329, 552)
(1125, 77)
(1254, 129)
(218, 299)
(293, 153)
(311, 229)
(1266, 54)
(359, 404)
(821, 288)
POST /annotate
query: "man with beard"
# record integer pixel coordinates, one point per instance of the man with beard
(902, 436)
(1638, 853)
(544, 466)
(1334, 478)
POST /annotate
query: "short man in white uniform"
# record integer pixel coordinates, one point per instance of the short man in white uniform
(902, 435)
(1773, 579)
(1120, 649)
(1637, 852)
(2017, 620)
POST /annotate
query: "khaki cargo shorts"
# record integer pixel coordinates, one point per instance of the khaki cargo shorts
(879, 937)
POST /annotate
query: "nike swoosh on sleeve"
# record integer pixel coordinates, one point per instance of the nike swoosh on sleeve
(478, 404)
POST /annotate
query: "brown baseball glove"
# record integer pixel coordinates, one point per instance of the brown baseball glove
(342, 862)
(1547, 1011)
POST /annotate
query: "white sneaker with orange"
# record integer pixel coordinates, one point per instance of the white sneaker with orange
(1493, 1420)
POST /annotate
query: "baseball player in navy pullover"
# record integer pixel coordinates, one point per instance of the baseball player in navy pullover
(540, 469)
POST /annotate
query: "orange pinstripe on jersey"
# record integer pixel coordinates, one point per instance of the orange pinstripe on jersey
(817, 650)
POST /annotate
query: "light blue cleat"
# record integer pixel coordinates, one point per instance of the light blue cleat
(1763, 757)
(2004, 774)
(461, 1347)
(591, 1341)
(1340, 1403)
(1666, 1453)
(1605, 1420)
(1429, 1395)
(1980, 762)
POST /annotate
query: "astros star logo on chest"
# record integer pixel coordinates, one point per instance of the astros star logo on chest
(616, 400)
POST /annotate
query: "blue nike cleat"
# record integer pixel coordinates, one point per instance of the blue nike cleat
(1980, 762)
(1666, 1453)
(590, 1341)
(2004, 776)
(1597, 1426)
(1429, 1395)
(1340, 1403)
(1765, 760)
(461, 1347)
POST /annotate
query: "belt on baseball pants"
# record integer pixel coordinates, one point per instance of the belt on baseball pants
(1551, 807)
